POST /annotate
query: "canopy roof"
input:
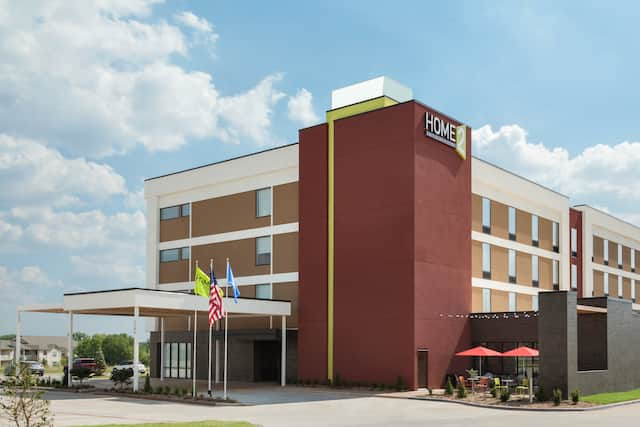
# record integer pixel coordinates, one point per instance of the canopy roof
(155, 303)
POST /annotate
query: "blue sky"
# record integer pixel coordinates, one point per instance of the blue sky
(93, 99)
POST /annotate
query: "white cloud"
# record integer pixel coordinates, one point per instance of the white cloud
(195, 22)
(9, 232)
(605, 175)
(300, 108)
(101, 77)
(25, 284)
(37, 174)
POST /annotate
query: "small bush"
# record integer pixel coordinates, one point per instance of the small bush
(448, 388)
(81, 373)
(557, 396)
(338, 381)
(575, 396)
(147, 384)
(121, 377)
(505, 395)
(167, 390)
(400, 383)
(430, 392)
(541, 396)
(462, 390)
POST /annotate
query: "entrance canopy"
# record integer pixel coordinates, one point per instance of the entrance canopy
(144, 302)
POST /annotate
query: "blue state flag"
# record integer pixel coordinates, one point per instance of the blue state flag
(231, 281)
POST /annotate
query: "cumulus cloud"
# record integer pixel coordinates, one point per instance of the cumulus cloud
(101, 77)
(300, 108)
(600, 175)
(9, 232)
(35, 173)
(21, 285)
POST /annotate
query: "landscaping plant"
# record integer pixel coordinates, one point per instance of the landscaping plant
(575, 396)
(541, 395)
(23, 404)
(101, 364)
(462, 390)
(147, 384)
(557, 397)
(400, 383)
(81, 373)
(448, 388)
(505, 395)
(121, 377)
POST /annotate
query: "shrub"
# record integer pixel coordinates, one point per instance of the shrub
(575, 396)
(430, 392)
(541, 396)
(24, 405)
(101, 364)
(147, 384)
(81, 373)
(462, 390)
(167, 390)
(400, 383)
(557, 396)
(337, 382)
(505, 395)
(121, 377)
(448, 388)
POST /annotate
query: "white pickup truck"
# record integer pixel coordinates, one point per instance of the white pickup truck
(128, 364)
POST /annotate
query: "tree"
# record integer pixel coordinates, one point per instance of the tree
(101, 364)
(121, 377)
(145, 356)
(89, 346)
(79, 336)
(117, 347)
(25, 405)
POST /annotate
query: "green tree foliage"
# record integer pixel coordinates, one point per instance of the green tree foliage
(7, 337)
(448, 389)
(117, 347)
(121, 377)
(462, 390)
(81, 373)
(79, 336)
(145, 354)
(23, 404)
(88, 346)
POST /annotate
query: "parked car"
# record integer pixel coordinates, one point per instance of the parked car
(35, 368)
(85, 362)
(128, 364)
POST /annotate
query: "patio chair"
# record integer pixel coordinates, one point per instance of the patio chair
(523, 388)
(498, 386)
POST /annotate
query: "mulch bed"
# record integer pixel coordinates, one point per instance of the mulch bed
(514, 402)
(169, 398)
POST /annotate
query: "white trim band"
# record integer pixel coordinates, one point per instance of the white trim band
(240, 281)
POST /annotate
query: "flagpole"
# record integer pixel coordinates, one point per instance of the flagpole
(209, 368)
(226, 332)
(195, 346)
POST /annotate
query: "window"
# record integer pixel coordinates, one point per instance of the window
(574, 242)
(174, 211)
(554, 232)
(619, 255)
(556, 271)
(512, 223)
(633, 290)
(177, 360)
(534, 270)
(619, 286)
(486, 215)
(574, 276)
(606, 251)
(512, 301)
(534, 302)
(263, 202)
(264, 291)
(512, 266)
(170, 212)
(486, 300)
(633, 260)
(486, 261)
(606, 284)
(534, 230)
(169, 255)
(263, 250)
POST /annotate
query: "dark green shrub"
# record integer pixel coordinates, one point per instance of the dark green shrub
(505, 395)
(448, 388)
(400, 383)
(121, 377)
(167, 390)
(338, 381)
(147, 384)
(557, 396)
(430, 392)
(541, 396)
(575, 396)
(81, 373)
(462, 390)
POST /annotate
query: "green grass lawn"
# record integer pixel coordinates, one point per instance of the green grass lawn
(606, 398)
(190, 424)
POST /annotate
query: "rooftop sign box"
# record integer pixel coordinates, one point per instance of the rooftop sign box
(446, 132)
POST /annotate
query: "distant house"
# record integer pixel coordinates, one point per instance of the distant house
(49, 350)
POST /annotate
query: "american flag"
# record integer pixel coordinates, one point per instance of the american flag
(216, 311)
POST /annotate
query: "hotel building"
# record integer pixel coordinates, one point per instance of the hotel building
(391, 241)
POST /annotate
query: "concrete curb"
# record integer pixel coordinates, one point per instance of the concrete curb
(516, 408)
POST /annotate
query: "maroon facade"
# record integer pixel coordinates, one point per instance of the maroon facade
(312, 251)
(402, 249)
(575, 221)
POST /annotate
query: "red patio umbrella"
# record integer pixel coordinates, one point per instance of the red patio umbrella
(524, 352)
(479, 351)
